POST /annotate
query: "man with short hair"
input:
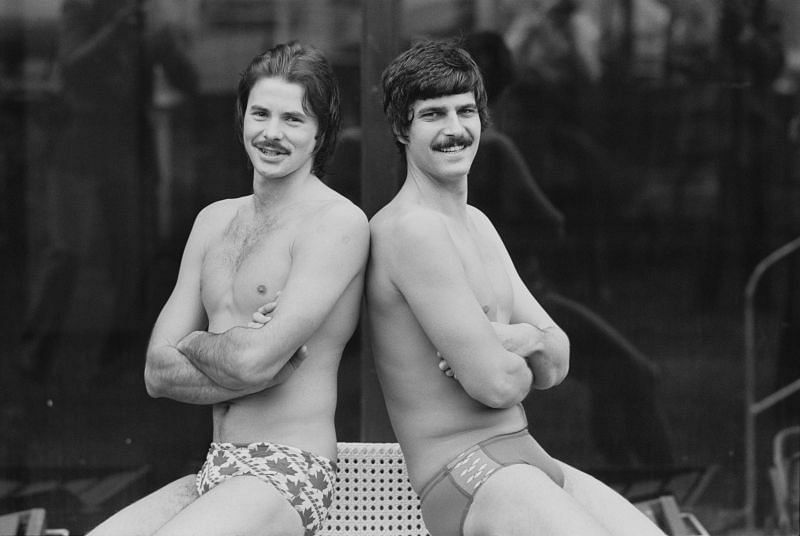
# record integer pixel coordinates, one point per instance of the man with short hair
(458, 339)
(270, 468)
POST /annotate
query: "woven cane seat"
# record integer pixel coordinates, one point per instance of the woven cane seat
(373, 496)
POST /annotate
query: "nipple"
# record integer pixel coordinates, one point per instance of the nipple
(261, 289)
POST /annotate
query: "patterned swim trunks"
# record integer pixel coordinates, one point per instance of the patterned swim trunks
(304, 479)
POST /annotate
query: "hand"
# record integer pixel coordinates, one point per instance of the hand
(444, 366)
(185, 342)
(261, 316)
(505, 334)
(288, 369)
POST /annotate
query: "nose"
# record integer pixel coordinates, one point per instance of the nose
(453, 125)
(273, 129)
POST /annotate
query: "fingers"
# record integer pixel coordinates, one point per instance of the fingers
(261, 318)
(262, 314)
(267, 308)
(299, 356)
(445, 367)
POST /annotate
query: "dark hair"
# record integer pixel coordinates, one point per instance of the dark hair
(306, 66)
(428, 70)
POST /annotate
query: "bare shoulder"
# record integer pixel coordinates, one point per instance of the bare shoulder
(338, 212)
(333, 219)
(405, 227)
(220, 212)
(482, 222)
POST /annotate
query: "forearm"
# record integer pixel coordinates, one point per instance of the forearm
(229, 358)
(502, 385)
(170, 374)
(518, 378)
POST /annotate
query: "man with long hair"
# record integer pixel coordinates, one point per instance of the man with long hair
(226, 339)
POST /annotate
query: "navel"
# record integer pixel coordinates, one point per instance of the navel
(261, 289)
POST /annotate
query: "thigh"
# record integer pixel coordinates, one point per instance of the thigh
(607, 506)
(522, 500)
(147, 515)
(240, 506)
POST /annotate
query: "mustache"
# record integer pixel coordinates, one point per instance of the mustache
(465, 140)
(271, 145)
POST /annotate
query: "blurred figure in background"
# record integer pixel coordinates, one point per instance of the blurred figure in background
(96, 212)
(628, 424)
(551, 110)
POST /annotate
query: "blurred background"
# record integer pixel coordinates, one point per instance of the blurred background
(642, 163)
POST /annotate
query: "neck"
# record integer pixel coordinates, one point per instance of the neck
(272, 193)
(448, 196)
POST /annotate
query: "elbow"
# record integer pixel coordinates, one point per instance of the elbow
(504, 397)
(505, 390)
(550, 368)
(546, 377)
(152, 384)
(502, 401)
(255, 370)
(561, 361)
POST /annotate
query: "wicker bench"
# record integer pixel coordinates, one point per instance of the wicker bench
(373, 496)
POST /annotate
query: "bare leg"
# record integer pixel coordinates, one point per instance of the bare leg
(239, 506)
(147, 515)
(523, 500)
(607, 506)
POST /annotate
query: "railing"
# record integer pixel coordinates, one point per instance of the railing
(753, 407)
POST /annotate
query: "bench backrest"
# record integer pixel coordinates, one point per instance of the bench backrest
(373, 496)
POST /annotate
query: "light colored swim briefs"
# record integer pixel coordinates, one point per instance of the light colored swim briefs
(304, 479)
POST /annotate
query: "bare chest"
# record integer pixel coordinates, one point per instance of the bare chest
(243, 269)
(487, 274)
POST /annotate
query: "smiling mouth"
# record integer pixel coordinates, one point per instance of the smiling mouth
(452, 148)
(453, 145)
(271, 150)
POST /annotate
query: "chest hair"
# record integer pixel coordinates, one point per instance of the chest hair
(243, 237)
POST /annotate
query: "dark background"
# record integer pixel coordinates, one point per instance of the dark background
(676, 170)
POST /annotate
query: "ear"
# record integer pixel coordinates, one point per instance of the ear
(401, 137)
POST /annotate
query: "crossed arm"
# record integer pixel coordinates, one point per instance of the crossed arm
(190, 365)
(531, 333)
(495, 363)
